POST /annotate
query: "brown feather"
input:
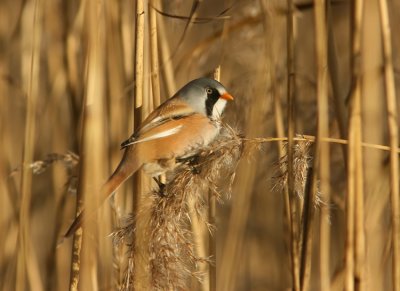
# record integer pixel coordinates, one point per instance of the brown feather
(197, 130)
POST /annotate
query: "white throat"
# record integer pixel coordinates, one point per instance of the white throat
(218, 108)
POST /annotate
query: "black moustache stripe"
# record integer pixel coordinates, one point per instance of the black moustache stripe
(210, 102)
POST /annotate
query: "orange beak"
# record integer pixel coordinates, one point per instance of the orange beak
(227, 96)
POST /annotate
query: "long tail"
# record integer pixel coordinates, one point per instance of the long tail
(129, 164)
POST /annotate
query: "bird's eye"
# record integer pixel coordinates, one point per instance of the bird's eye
(209, 91)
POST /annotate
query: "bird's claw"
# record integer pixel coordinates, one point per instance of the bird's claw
(161, 187)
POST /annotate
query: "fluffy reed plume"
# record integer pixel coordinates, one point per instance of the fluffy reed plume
(126, 235)
(69, 160)
(301, 163)
(169, 240)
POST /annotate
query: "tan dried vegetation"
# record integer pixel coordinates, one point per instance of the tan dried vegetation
(306, 184)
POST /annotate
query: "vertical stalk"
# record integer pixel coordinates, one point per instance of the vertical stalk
(212, 211)
(334, 72)
(355, 239)
(392, 117)
(155, 74)
(321, 43)
(308, 219)
(139, 82)
(76, 252)
(27, 275)
(278, 113)
(321, 157)
(359, 183)
(166, 60)
(138, 115)
(291, 129)
(139, 53)
(84, 265)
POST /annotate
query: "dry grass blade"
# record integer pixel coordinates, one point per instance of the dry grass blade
(192, 15)
(220, 16)
(392, 116)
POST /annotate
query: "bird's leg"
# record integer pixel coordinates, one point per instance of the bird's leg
(161, 185)
(192, 162)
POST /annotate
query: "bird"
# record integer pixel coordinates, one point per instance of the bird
(177, 129)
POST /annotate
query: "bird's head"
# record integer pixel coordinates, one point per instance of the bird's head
(206, 96)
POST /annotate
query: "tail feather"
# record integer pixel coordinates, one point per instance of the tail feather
(125, 169)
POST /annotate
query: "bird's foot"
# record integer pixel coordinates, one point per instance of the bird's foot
(161, 186)
(192, 162)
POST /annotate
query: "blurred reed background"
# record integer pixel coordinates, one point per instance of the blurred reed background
(76, 77)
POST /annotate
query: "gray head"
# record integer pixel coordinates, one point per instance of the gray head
(206, 96)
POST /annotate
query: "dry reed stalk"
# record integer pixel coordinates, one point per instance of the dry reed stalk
(155, 74)
(118, 121)
(376, 165)
(355, 245)
(140, 102)
(139, 53)
(115, 73)
(310, 138)
(305, 187)
(310, 194)
(335, 79)
(212, 212)
(128, 13)
(128, 40)
(27, 266)
(321, 32)
(166, 67)
(321, 159)
(76, 85)
(200, 228)
(74, 64)
(233, 250)
(76, 255)
(139, 77)
(278, 114)
(360, 248)
(55, 114)
(392, 117)
(294, 227)
(84, 261)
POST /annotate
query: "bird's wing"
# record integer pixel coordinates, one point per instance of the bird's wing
(173, 109)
